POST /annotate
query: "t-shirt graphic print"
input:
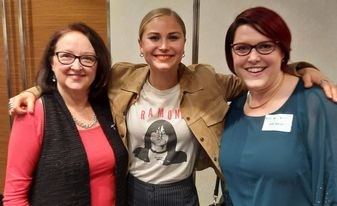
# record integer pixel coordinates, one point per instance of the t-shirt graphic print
(161, 139)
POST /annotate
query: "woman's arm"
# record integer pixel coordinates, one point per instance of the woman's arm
(24, 102)
(23, 153)
(321, 140)
(310, 75)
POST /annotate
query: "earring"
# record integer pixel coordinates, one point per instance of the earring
(53, 78)
(183, 55)
(141, 55)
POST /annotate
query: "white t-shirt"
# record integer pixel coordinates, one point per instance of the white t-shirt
(162, 148)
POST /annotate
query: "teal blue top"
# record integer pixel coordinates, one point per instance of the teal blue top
(276, 167)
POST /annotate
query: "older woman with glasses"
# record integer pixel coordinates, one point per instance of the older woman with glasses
(279, 145)
(68, 152)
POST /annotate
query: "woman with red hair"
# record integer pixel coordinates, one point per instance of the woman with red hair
(279, 142)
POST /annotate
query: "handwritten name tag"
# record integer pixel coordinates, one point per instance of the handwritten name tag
(278, 122)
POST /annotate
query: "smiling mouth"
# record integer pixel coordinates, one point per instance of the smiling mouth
(76, 75)
(163, 57)
(255, 69)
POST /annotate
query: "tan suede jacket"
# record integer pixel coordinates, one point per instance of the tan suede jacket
(203, 104)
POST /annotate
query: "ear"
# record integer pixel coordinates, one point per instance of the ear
(140, 46)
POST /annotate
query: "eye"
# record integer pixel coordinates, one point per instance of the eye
(66, 55)
(154, 38)
(265, 46)
(174, 37)
(88, 59)
(241, 47)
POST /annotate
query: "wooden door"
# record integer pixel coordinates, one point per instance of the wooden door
(40, 18)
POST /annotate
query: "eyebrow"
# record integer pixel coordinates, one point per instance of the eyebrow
(171, 33)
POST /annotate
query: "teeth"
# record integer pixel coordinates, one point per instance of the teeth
(163, 57)
(255, 69)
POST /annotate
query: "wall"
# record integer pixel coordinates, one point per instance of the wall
(313, 25)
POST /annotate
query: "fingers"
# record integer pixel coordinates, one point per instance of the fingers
(10, 106)
(14, 107)
(30, 105)
(334, 93)
(330, 89)
(307, 79)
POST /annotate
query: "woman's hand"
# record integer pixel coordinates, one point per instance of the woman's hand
(21, 103)
(312, 76)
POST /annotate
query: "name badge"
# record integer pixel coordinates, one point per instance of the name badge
(278, 122)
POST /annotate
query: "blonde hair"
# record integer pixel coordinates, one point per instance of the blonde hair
(157, 13)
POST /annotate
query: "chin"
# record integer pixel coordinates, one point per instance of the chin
(253, 84)
(163, 67)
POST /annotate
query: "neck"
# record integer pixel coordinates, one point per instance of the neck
(76, 99)
(254, 102)
(80, 108)
(163, 80)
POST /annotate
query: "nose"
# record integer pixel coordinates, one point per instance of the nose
(76, 65)
(253, 56)
(163, 44)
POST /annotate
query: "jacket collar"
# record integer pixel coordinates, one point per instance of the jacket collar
(188, 83)
(134, 82)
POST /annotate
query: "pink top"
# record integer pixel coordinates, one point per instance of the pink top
(24, 151)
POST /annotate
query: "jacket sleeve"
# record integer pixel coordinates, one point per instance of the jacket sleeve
(232, 86)
(293, 68)
(36, 91)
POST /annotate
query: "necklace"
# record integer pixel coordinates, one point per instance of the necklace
(86, 125)
(249, 96)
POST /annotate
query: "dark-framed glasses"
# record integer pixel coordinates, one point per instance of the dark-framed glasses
(67, 58)
(264, 48)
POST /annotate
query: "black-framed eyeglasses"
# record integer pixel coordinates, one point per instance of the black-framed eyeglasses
(67, 58)
(264, 48)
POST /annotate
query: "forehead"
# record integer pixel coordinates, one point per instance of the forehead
(246, 33)
(163, 23)
(74, 40)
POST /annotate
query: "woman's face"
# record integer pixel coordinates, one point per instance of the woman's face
(75, 76)
(258, 71)
(162, 44)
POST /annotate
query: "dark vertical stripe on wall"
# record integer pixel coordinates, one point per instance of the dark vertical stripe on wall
(6, 52)
(22, 46)
(195, 39)
(108, 26)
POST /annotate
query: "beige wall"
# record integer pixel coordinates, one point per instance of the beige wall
(313, 24)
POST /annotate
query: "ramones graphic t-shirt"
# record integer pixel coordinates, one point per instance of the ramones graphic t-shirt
(161, 146)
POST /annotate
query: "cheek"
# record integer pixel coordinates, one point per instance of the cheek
(146, 45)
(238, 61)
(180, 47)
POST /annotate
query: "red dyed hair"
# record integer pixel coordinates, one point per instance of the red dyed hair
(265, 21)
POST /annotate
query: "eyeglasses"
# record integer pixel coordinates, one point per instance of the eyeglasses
(264, 48)
(67, 58)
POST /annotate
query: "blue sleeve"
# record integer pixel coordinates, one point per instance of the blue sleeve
(321, 132)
